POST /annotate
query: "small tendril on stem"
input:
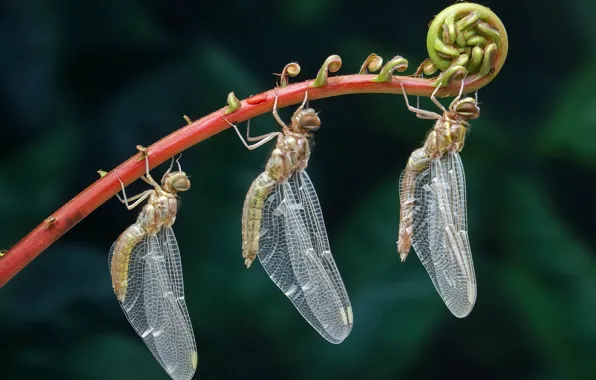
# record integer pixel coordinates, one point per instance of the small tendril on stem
(427, 67)
(371, 64)
(331, 64)
(398, 63)
(292, 69)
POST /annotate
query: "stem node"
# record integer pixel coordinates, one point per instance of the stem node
(233, 104)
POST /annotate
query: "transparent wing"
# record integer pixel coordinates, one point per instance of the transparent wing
(316, 226)
(440, 233)
(155, 306)
(294, 250)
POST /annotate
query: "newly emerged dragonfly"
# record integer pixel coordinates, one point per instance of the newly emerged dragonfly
(283, 225)
(147, 275)
(433, 205)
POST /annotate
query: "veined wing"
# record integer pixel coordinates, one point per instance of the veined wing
(155, 306)
(440, 233)
(294, 250)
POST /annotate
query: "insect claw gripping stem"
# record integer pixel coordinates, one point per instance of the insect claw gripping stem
(148, 178)
(422, 114)
(263, 139)
(482, 56)
(275, 114)
(299, 109)
(139, 197)
(172, 166)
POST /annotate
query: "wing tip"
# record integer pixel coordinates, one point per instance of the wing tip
(194, 359)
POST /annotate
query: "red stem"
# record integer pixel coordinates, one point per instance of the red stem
(26, 250)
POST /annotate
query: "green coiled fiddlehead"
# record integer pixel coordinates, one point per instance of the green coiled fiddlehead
(466, 40)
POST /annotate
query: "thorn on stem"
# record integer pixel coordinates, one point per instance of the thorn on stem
(50, 221)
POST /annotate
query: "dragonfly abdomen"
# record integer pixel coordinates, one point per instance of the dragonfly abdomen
(122, 252)
(418, 162)
(252, 216)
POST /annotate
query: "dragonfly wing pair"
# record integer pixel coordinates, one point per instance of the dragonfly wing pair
(440, 232)
(294, 250)
(154, 303)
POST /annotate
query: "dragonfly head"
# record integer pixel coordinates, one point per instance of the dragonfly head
(176, 181)
(467, 108)
(308, 120)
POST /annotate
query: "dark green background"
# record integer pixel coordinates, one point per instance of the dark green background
(82, 83)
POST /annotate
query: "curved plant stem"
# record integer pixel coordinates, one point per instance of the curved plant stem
(106, 187)
(465, 40)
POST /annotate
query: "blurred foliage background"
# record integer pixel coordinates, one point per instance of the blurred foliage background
(82, 83)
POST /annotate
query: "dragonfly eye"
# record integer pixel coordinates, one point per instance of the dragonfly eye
(179, 181)
(468, 108)
(310, 121)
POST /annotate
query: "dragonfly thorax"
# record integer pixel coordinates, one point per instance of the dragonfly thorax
(448, 135)
(291, 153)
(160, 210)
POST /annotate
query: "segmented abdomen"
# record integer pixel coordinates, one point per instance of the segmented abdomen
(252, 215)
(417, 163)
(120, 255)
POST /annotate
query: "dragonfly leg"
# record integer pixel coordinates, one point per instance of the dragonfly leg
(436, 101)
(168, 171)
(170, 168)
(147, 177)
(139, 197)
(263, 139)
(178, 162)
(299, 109)
(275, 114)
(458, 97)
(461, 90)
(146, 180)
(419, 113)
(255, 138)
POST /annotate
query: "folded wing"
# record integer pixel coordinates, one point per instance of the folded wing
(294, 250)
(440, 233)
(155, 306)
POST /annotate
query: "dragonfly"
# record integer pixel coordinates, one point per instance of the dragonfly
(282, 225)
(146, 272)
(433, 204)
